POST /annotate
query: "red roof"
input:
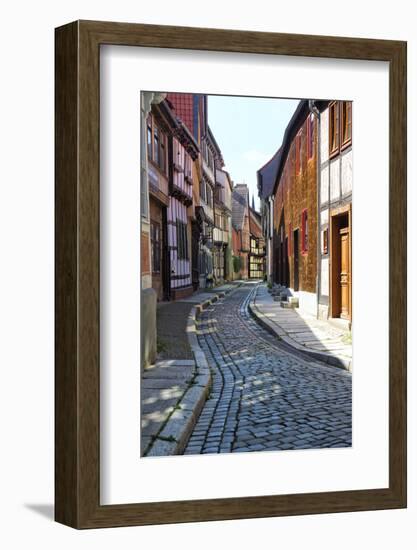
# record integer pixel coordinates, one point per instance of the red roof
(183, 106)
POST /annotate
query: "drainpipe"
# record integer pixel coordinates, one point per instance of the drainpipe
(313, 109)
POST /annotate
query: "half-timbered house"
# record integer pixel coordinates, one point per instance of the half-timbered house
(256, 260)
(222, 226)
(335, 200)
(241, 230)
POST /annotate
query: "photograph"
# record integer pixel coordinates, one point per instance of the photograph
(211, 251)
(246, 273)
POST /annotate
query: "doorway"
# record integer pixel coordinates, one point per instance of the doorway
(341, 267)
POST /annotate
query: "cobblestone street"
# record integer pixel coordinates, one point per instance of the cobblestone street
(264, 396)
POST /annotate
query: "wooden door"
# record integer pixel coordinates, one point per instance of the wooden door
(344, 272)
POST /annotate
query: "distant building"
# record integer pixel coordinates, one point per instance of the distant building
(266, 177)
(241, 237)
(256, 259)
(222, 235)
(185, 196)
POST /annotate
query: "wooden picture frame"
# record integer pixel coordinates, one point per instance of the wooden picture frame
(77, 405)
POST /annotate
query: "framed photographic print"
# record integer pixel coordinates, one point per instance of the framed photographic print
(230, 274)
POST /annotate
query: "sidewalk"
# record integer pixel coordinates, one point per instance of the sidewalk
(319, 338)
(174, 389)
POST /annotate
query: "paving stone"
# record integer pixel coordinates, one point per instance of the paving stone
(263, 397)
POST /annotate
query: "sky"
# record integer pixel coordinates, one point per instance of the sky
(248, 131)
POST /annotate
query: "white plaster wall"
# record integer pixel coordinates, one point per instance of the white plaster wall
(335, 179)
(308, 302)
(347, 172)
(324, 185)
(324, 217)
(324, 273)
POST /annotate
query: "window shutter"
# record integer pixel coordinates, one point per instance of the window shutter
(337, 124)
(349, 119)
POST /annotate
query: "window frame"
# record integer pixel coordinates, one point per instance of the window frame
(337, 121)
(334, 128)
(157, 154)
(182, 240)
(345, 141)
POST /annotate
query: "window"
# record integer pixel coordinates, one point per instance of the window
(310, 136)
(155, 247)
(254, 246)
(162, 155)
(149, 137)
(290, 239)
(325, 241)
(209, 195)
(304, 231)
(334, 127)
(346, 122)
(203, 190)
(182, 240)
(256, 267)
(340, 125)
(210, 159)
(188, 168)
(156, 144)
(297, 153)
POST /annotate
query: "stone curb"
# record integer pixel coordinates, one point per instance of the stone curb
(180, 424)
(275, 330)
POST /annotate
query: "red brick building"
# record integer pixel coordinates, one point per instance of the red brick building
(294, 262)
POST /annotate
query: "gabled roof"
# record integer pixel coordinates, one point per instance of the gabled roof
(240, 203)
(215, 145)
(255, 223)
(223, 178)
(301, 113)
(267, 176)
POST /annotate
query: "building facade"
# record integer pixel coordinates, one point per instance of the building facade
(241, 231)
(186, 233)
(306, 206)
(185, 151)
(222, 253)
(148, 293)
(158, 136)
(256, 259)
(266, 177)
(335, 199)
(295, 210)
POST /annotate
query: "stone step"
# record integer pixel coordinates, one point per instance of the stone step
(291, 303)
